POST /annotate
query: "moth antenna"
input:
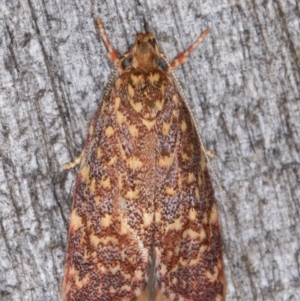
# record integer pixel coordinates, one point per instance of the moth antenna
(112, 53)
(183, 56)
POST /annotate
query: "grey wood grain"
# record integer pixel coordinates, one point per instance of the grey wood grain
(242, 84)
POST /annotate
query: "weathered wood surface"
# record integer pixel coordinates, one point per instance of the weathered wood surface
(242, 84)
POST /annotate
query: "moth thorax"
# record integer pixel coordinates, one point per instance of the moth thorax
(145, 52)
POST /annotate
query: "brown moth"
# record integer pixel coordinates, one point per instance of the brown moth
(144, 223)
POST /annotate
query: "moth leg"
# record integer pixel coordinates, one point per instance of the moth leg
(183, 56)
(112, 53)
(74, 163)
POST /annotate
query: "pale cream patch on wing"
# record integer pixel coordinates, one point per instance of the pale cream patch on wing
(183, 126)
(136, 79)
(197, 193)
(170, 191)
(112, 290)
(109, 131)
(85, 172)
(166, 128)
(220, 264)
(183, 262)
(154, 77)
(172, 296)
(125, 287)
(88, 223)
(192, 214)
(137, 291)
(163, 269)
(123, 254)
(115, 269)
(130, 91)
(132, 194)
(176, 225)
(149, 124)
(166, 161)
(81, 282)
(75, 221)
(138, 274)
(191, 177)
(169, 255)
(99, 153)
(175, 99)
(212, 277)
(133, 131)
(126, 276)
(91, 130)
(103, 109)
(94, 240)
(108, 240)
(162, 89)
(94, 254)
(175, 115)
(101, 268)
(194, 261)
(98, 200)
(200, 181)
(147, 115)
(92, 185)
(147, 219)
(179, 180)
(204, 219)
(185, 157)
(117, 103)
(112, 161)
(202, 163)
(134, 163)
(118, 83)
(105, 183)
(213, 215)
(190, 233)
(204, 248)
(157, 217)
(106, 221)
(120, 117)
(159, 104)
(136, 105)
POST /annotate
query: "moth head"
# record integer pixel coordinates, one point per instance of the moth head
(145, 52)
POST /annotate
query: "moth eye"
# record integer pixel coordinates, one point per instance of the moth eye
(160, 62)
(127, 62)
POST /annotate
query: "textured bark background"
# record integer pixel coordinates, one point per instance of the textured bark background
(242, 84)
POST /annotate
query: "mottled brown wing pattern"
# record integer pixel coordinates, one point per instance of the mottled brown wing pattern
(106, 259)
(144, 224)
(188, 245)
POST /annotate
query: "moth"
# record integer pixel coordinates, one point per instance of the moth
(144, 223)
